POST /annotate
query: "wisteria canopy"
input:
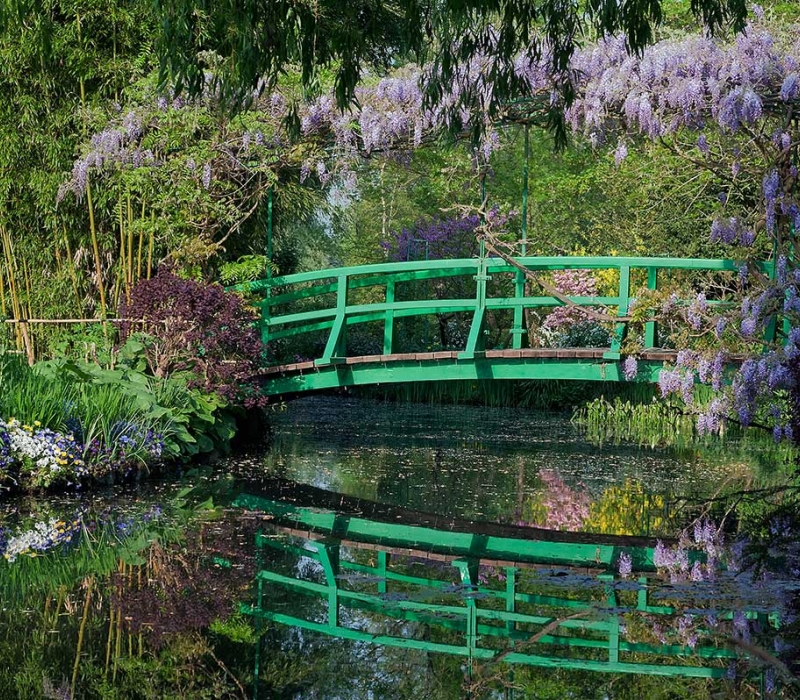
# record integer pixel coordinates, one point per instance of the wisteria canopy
(254, 41)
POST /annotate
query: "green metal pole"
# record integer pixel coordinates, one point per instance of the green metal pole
(265, 308)
(524, 247)
(483, 212)
(518, 327)
(269, 231)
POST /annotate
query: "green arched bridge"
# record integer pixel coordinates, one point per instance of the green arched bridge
(316, 311)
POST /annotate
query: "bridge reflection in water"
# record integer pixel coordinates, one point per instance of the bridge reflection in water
(488, 593)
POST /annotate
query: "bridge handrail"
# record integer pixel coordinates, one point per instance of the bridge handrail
(342, 313)
(496, 265)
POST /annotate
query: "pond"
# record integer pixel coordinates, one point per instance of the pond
(378, 550)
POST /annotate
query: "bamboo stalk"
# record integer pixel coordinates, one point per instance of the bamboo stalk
(141, 240)
(129, 278)
(121, 270)
(72, 275)
(89, 202)
(118, 638)
(59, 602)
(9, 262)
(23, 339)
(95, 248)
(2, 293)
(45, 614)
(117, 645)
(150, 247)
(26, 276)
(110, 636)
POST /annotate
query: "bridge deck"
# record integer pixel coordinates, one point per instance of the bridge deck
(655, 355)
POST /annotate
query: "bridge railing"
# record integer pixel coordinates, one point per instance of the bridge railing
(285, 312)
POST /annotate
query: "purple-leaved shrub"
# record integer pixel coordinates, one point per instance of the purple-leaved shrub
(198, 328)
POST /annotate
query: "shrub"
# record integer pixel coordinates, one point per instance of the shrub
(185, 326)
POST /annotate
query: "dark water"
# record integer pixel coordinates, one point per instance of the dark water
(494, 554)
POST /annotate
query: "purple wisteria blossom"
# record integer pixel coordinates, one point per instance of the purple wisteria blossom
(630, 368)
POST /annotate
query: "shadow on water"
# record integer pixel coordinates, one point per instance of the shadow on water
(544, 580)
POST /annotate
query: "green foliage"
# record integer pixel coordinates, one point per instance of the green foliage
(31, 396)
(247, 268)
(56, 67)
(584, 334)
(101, 408)
(579, 201)
(236, 628)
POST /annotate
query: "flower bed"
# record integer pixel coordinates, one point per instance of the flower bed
(32, 456)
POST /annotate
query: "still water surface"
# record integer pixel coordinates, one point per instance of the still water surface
(163, 590)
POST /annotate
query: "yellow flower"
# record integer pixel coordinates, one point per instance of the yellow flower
(37, 423)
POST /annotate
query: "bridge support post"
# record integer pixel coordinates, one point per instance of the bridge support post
(518, 330)
(329, 559)
(335, 347)
(388, 321)
(622, 310)
(468, 571)
(383, 565)
(511, 597)
(475, 340)
(650, 328)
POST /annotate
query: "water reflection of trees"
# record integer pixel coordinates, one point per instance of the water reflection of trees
(134, 621)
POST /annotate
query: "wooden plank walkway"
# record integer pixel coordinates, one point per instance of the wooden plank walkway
(656, 354)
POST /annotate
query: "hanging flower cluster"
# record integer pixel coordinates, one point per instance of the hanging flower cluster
(728, 106)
